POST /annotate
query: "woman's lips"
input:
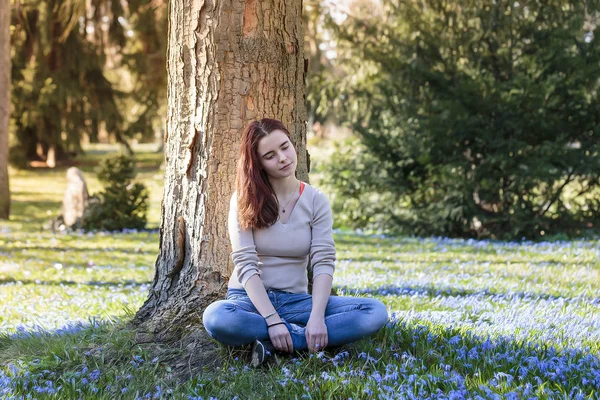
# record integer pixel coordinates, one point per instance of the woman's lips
(286, 166)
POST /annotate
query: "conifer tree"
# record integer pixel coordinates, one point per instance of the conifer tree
(475, 118)
(67, 79)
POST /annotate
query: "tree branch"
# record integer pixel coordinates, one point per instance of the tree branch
(557, 194)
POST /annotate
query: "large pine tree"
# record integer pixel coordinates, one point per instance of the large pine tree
(477, 118)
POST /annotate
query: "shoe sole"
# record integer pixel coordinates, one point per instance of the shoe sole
(258, 354)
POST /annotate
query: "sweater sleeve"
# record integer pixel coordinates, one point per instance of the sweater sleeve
(322, 246)
(243, 250)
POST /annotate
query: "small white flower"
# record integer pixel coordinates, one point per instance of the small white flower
(58, 266)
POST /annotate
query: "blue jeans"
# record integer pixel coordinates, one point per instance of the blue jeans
(235, 321)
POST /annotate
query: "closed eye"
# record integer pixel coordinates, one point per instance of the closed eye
(271, 155)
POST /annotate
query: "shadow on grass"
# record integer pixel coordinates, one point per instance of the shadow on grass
(20, 207)
(431, 291)
(80, 358)
(437, 244)
(403, 357)
(63, 247)
(503, 360)
(450, 259)
(119, 251)
(74, 283)
(120, 260)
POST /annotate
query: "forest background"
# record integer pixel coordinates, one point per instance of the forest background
(465, 120)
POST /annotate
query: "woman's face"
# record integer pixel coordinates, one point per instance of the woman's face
(277, 155)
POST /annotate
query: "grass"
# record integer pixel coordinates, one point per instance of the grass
(468, 319)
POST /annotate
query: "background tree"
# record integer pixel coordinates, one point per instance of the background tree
(229, 63)
(474, 118)
(67, 76)
(145, 59)
(314, 41)
(123, 204)
(320, 50)
(4, 106)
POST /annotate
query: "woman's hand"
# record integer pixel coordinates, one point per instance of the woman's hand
(316, 334)
(280, 337)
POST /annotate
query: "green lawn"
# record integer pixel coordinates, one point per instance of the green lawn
(468, 319)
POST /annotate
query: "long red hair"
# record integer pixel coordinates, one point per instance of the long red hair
(257, 203)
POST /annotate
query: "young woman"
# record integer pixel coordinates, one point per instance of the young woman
(277, 224)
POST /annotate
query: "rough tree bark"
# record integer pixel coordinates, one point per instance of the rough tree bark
(5, 66)
(229, 63)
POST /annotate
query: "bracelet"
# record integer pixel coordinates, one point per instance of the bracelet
(276, 323)
(270, 315)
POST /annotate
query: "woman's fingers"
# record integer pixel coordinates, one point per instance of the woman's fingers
(285, 343)
(316, 335)
(281, 338)
(312, 341)
(320, 343)
(290, 345)
(317, 342)
(277, 344)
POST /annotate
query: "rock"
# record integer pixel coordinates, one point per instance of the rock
(76, 198)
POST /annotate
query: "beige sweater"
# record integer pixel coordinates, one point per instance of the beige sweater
(279, 253)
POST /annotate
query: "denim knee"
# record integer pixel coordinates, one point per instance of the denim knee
(382, 313)
(378, 314)
(215, 319)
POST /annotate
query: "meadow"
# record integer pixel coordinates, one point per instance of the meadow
(469, 319)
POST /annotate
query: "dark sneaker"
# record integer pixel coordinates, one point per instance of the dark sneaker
(260, 352)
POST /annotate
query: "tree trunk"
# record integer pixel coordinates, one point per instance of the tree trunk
(5, 66)
(229, 63)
